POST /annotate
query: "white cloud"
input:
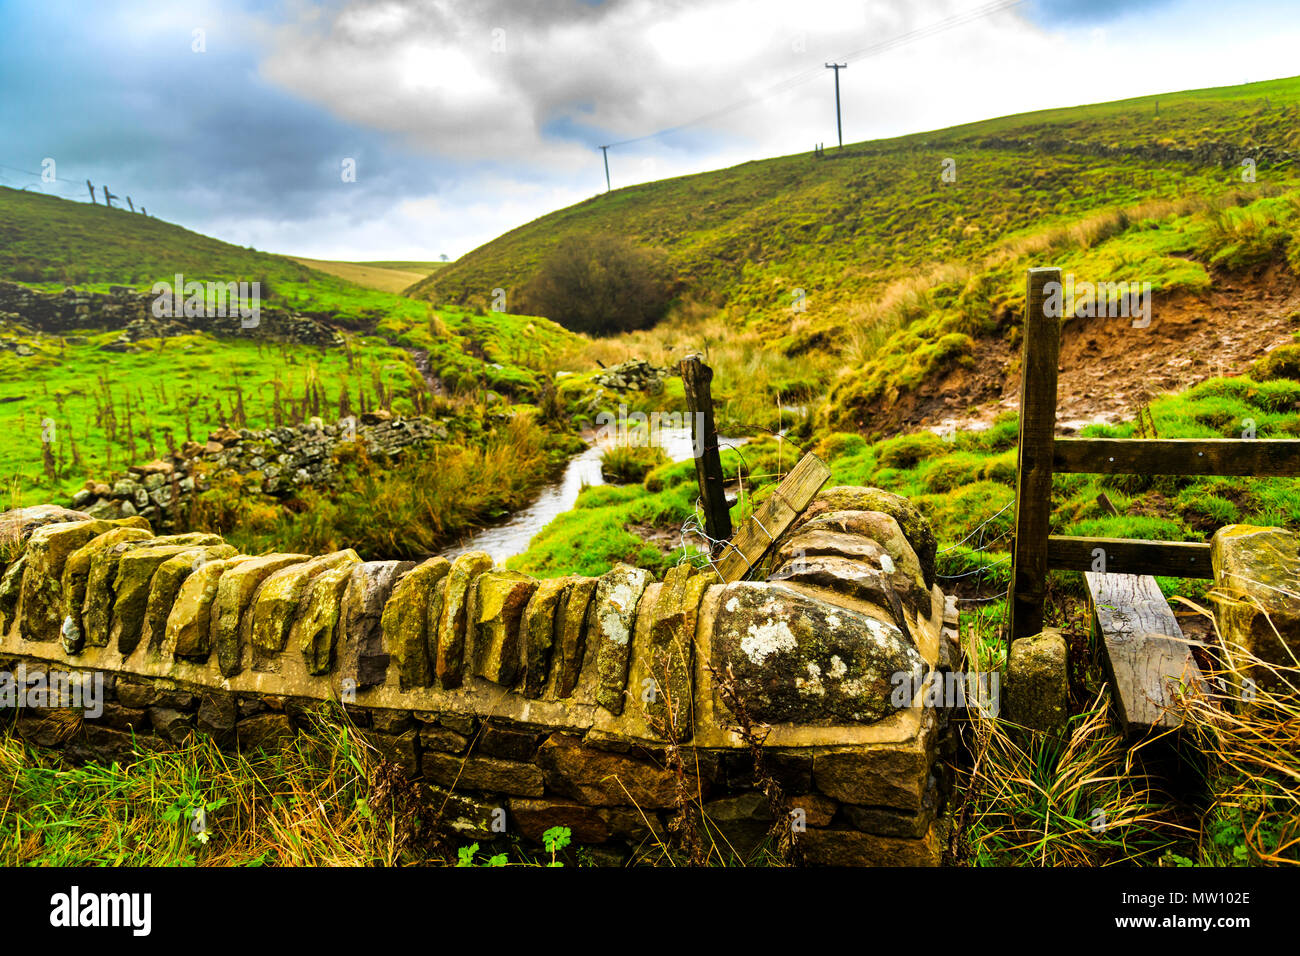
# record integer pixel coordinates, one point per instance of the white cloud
(569, 75)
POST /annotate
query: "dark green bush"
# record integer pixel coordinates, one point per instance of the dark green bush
(600, 285)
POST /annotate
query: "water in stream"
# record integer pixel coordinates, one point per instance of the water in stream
(511, 537)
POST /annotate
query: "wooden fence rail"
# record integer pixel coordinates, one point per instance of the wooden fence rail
(1145, 649)
(1035, 550)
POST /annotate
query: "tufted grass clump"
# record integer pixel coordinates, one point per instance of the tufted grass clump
(306, 804)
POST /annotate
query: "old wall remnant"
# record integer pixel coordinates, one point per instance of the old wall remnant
(554, 699)
(1256, 598)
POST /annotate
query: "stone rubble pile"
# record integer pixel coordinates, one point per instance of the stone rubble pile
(274, 461)
(636, 374)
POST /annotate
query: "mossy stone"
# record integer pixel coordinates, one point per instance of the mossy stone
(405, 622)
(234, 595)
(314, 632)
(166, 585)
(799, 659)
(188, 631)
(496, 612)
(267, 622)
(614, 618)
(453, 627)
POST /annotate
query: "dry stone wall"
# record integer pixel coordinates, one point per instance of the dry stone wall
(554, 699)
(123, 308)
(273, 461)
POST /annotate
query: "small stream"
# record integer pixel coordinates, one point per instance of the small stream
(511, 537)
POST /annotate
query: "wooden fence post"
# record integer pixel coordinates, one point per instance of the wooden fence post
(1039, 358)
(696, 377)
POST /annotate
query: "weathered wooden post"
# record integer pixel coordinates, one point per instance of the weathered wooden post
(696, 377)
(1039, 358)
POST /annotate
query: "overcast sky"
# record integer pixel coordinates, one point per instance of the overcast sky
(465, 118)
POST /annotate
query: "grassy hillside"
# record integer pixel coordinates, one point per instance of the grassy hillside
(847, 227)
(51, 243)
(112, 409)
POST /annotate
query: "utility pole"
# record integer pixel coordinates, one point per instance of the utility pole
(605, 151)
(838, 128)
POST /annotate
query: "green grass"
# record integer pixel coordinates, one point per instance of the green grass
(111, 409)
(959, 482)
(51, 244)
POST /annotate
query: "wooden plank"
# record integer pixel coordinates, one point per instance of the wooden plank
(1178, 559)
(1040, 356)
(772, 517)
(1147, 655)
(696, 377)
(1261, 457)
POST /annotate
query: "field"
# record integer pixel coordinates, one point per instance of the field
(114, 409)
(384, 276)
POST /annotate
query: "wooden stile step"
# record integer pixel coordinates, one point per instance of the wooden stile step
(1146, 652)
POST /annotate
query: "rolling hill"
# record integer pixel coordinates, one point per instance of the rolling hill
(843, 228)
(399, 353)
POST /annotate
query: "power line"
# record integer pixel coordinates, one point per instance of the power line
(978, 13)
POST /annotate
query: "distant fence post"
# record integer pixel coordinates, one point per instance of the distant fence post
(1039, 358)
(696, 377)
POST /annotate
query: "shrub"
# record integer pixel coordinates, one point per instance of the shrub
(600, 285)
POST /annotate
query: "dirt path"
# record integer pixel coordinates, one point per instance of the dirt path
(1110, 369)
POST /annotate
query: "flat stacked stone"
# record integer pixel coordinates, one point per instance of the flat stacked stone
(364, 659)
(610, 634)
(405, 622)
(453, 623)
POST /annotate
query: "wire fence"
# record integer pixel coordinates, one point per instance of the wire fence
(984, 541)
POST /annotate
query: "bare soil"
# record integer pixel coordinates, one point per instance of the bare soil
(1109, 369)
